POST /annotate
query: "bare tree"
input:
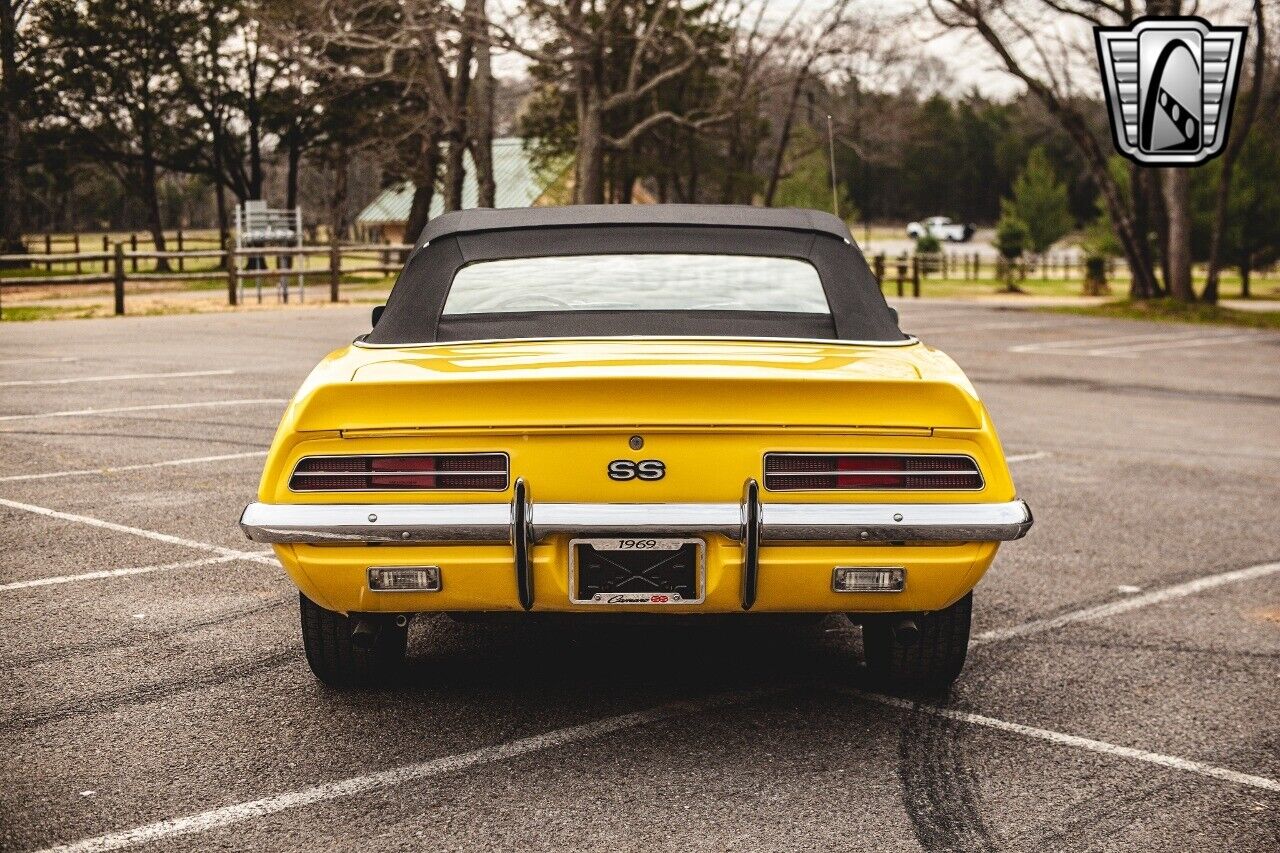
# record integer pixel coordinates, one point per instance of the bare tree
(10, 129)
(1240, 131)
(809, 50)
(587, 39)
(481, 118)
(117, 96)
(1035, 50)
(414, 44)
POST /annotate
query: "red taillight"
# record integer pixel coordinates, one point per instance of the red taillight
(455, 471)
(919, 472)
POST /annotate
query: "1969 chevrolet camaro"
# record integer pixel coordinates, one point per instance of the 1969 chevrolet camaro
(666, 409)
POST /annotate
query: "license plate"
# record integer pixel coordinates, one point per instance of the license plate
(636, 570)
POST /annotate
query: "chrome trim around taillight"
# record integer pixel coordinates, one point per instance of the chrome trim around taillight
(493, 522)
(975, 472)
(505, 473)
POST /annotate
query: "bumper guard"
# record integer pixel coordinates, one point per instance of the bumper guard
(523, 523)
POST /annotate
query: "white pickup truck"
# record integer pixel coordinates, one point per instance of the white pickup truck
(941, 228)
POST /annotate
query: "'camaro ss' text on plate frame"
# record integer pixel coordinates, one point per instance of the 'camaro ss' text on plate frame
(660, 544)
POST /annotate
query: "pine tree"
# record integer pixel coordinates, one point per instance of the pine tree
(1040, 201)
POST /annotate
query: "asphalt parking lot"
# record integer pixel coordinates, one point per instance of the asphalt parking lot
(1121, 692)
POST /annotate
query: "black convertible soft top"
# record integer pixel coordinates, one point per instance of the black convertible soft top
(454, 240)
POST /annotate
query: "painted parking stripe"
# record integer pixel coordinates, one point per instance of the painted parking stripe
(1127, 346)
(115, 377)
(44, 360)
(155, 535)
(1027, 457)
(1062, 739)
(1090, 342)
(1128, 351)
(1132, 602)
(355, 785)
(134, 570)
(72, 413)
(973, 327)
(194, 460)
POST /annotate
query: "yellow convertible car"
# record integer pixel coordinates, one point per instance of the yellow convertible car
(675, 410)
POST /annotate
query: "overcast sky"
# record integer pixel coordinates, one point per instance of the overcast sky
(969, 63)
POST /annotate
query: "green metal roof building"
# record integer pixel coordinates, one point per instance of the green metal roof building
(518, 185)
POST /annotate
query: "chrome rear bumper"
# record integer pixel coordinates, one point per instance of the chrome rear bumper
(494, 523)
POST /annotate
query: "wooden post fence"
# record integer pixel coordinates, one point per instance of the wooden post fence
(915, 276)
(106, 247)
(180, 249)
(133, 247)
(119, 279)
(75, 242)
(879, 267)
(902, 272)
(48, 250)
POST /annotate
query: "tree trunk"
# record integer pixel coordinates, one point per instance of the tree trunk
(482, 110)
(338, 199)
(626, 180)
(424, 183)
(10, 186)
(455, 170)
(291, 174)
(1176, 184)
(779, 156)
(224, 225)
(1160, 217)
(1140, 189)
(151, 200)
(1245, 269)
(253, 110)
(590, 186)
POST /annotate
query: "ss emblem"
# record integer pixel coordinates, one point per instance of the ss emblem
(645, 469)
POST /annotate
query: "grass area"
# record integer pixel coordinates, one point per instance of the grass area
(24, 313)
(954, 287)
(944, 288)
(1172, 311)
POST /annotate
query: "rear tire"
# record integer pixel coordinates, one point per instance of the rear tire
(928, 664)
(337, 660)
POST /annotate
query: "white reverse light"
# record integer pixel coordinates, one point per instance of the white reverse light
(404, 578)
(876, 579)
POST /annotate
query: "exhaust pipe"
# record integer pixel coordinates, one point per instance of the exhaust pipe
(363, 634)
(906, 632)
(402, 620)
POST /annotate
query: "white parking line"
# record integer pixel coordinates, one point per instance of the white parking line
(1089, 342)
(69, 413)
(240, 812)
(1027, 457)
(135, 570)
(1127, 346)
(973, 327)
(1062, 739)
(138, 531)
(1129, 351)
(194, 460)
(115, 377)
(46, 360)
(1132, 602)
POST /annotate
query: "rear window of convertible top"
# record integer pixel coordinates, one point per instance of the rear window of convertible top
(637, 282)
